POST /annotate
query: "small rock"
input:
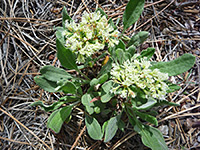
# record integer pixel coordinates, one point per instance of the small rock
(164, 129)
(51, 57)
(198, 138)
(197, 52)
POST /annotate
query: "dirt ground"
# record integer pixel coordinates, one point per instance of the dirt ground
(27, 42)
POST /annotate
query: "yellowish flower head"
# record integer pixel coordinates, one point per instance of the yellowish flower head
(136, 72)
(90, 35)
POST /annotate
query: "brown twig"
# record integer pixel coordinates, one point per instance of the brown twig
(25, 128)
(78, 137)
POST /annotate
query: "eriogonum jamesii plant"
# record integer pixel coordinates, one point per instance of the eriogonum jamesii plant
(112, 83)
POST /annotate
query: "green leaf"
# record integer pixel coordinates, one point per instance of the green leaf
(100, 80)
(111, 128)
(121, 45)
(45, 84)
(57, 118)
(149, 52)
(127, 56)
(79, 91)
(65, 56)
(131, 120)
(93, 128)
(48, 108)
(106, 94)
(110, 21)
(106, 97)
(55, 74)
(59, 34)
(69, 99)
(120, 55)
(106, 68)
(107, 86)
(86, 101)
(94, 82)
(68, 119)
(131, 50)
(69, 87)
(177, 66)
(104, 126)
(89, 109)
(65, 16)
(132, 12)
(152, 138)
(103, 78)
(150, 103)
(97, 109)
(167, 103)
(138, 38)
(173, 88)
(102, 12)
(121, 125)
(147, 117)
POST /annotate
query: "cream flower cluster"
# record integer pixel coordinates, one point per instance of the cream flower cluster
(137, 72)
(90, 35)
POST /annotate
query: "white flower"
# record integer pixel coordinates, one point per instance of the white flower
(85, 18)
(123, 93)
(137, 72)
(112, 42)
(90, 35)
(131, 93)
(145, 63)
(95, 16)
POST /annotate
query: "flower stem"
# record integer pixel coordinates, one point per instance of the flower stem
(83, 75)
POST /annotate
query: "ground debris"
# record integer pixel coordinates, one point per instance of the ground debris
(27, 42)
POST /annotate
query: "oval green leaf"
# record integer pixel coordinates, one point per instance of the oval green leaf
(132, 12)
(65, 16)
(45, 84)
(93, 128)
(138, 38)
(153, 138)
(111, 128)
(48, 108)
(131, 50)
(147, 117)
(57, 118)
(65, 56)
(103, 78)
(149, 104)
(107, 86)
(106, 97)
(59, 34)
(120, 55)
(54, 74)
(149, 52)
(69, 87)
(86, 101)
(177, 66)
